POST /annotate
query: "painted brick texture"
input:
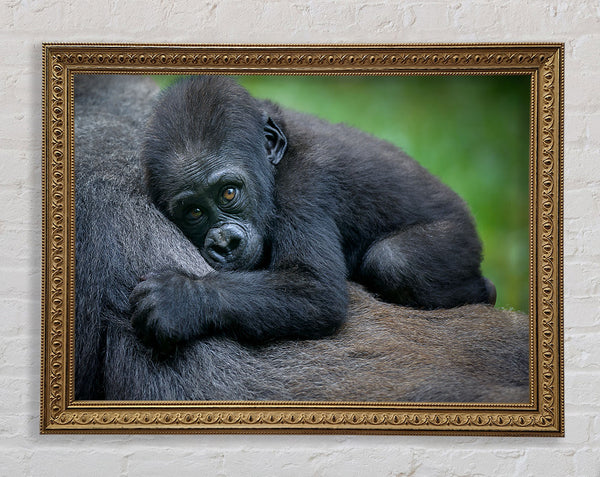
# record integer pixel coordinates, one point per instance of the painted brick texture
(26, 24)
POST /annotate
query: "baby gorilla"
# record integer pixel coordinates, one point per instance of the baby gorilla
(285, 207)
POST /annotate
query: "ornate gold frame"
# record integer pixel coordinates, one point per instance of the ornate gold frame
(543, 415)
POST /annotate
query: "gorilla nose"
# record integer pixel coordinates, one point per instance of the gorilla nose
(222, 242)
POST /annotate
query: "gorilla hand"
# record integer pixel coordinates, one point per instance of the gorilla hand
(164, 308)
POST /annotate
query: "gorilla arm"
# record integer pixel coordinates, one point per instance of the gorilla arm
(303, 295)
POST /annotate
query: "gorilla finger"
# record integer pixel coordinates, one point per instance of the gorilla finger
(141, 313)
(140, 291)
(145, 333)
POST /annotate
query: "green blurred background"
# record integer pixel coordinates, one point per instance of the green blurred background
(470, 131)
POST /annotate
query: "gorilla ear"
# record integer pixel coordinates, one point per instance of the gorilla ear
(276, 143)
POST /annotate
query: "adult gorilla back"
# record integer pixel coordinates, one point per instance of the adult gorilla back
(382, 353)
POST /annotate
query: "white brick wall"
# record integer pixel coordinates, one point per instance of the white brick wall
(26, 24)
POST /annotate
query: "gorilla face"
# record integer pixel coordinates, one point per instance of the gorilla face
(215, 213)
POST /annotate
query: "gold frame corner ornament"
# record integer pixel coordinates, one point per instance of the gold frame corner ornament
(543, 415)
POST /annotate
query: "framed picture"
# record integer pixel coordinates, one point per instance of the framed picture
(302, 239)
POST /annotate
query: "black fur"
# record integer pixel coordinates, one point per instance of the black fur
(315, 203)
(382, 353)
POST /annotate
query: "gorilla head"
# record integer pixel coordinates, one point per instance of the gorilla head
(209, 162)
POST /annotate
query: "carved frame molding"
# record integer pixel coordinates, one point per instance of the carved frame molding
(543, 415)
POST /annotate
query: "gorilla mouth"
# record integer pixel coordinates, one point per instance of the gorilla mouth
(238, 260)
(220, 258)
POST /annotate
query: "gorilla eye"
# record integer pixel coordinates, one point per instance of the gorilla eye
(228, 194)
(194, 213)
